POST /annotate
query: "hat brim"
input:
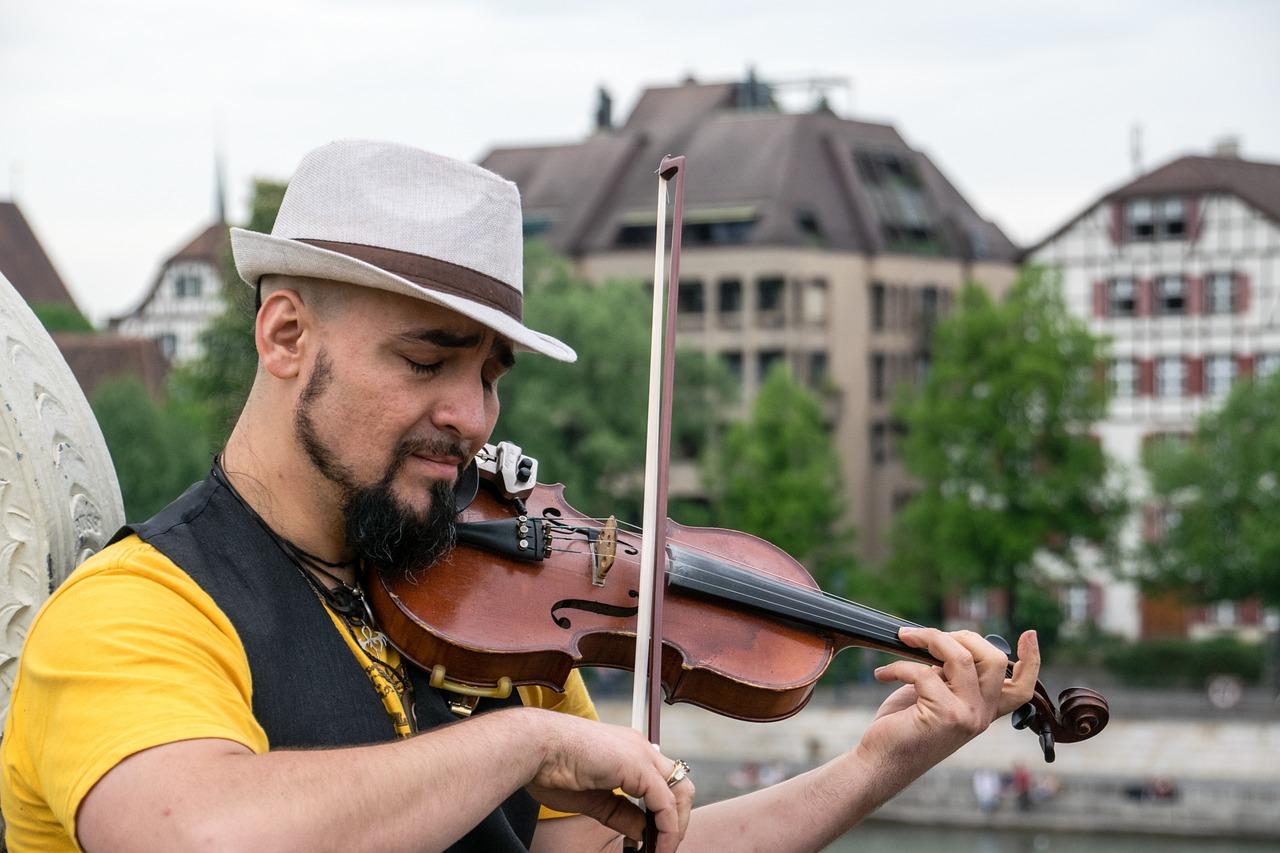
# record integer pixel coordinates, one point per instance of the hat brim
(258, 254)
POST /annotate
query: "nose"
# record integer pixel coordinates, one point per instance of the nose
(463, 408)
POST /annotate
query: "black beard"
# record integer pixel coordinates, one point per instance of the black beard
(379, 528)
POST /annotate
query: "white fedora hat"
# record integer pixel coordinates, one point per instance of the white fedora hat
(404, 220)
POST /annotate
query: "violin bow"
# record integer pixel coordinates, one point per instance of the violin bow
(646, 697)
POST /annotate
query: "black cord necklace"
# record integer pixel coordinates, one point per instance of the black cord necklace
(347, 600)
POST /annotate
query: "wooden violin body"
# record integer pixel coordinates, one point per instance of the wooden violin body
(747, 632)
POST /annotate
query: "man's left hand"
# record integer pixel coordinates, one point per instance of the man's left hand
(940, 708)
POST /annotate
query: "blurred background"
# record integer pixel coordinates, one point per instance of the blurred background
(979, 313)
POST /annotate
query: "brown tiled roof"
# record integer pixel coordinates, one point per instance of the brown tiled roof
(95, 358)
(24, 262)
(1254, 182)
(209, 245)
(775, 163)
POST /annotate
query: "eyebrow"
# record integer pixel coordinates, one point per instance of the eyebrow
(441, 338)
(444, 338)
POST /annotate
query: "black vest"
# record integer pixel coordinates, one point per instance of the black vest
(308, 689)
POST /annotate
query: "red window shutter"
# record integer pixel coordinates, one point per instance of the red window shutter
(1095, 602)
(1195, 294)
(1146, 377)
(1146, 296)
(1116, 231)
(1099, 299)
(1244, 365)
(1249, 612)
(1195, 376)
(1242, 293)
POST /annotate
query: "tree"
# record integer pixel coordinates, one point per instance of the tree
(1221, 494)
(776, 475)
(998, 437)
(61, 317)
(218, 381)
(157, 447)
(585, 422)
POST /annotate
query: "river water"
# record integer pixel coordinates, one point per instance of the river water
(895, 838)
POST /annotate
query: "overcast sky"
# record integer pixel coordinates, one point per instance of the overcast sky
(109, 111)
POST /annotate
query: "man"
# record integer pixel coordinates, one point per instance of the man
(210, 680)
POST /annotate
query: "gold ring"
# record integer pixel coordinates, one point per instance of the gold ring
(678, 773)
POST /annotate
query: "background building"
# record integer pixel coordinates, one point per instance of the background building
(823, 242)
(185, 296)
(1180, 267)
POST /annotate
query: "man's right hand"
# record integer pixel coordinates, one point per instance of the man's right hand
(585, 762)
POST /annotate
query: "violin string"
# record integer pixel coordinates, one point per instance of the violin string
(842, 605)
(799, 605)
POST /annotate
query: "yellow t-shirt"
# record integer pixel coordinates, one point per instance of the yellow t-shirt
(129, 653)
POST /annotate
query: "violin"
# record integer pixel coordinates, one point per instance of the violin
(533, 589)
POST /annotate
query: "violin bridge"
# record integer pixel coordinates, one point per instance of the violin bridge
(603, 549)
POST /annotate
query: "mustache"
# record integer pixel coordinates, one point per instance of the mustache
(428, 446)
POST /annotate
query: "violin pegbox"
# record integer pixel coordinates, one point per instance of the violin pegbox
(505, 465)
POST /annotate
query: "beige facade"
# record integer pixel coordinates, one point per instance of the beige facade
(828, 328)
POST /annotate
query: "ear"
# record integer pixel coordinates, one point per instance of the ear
(281, 333)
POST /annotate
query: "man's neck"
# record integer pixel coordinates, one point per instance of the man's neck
(290, 495)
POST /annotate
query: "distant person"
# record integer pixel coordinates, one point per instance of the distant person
(986, 787)
(1020, 786)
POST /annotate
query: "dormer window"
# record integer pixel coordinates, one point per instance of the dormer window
(1140, 217)
(1155, 219)
(186, 285)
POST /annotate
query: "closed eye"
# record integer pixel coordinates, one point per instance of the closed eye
(427, 369)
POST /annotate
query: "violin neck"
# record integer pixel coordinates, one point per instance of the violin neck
(847, 623)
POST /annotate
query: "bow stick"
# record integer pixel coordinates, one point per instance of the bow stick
(646, 694)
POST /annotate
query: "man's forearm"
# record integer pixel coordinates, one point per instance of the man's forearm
(423, 793)
(803, 813)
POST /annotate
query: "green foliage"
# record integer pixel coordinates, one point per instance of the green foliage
(1222, 539)
(777, 476)
(218, 382)
(998, 438)
(156, 447)
(585, 422)
(1184, 663)
(60, 317)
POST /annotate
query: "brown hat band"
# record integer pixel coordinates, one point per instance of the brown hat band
(433, 274)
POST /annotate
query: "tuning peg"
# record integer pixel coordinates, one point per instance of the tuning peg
(1000, 643)
(1023, 717)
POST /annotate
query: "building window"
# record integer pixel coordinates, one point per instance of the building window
(1219, 293)
(1171, 377)
(1156, 219)
(1266, 364)
(1077, 601)
(1122, 298)
(1124, 378)
(536, 226)
(818, 368)
(733, 363)
(186, 285)
(1219, 373)
(877, 305)
(1223, 614)
(168, 344)
(878, 380)
(1171, 296)
(1140, 218)
(807, 223)
(691, 299)
(1172, 219)
(768, 358)
(879, 440)
(815, 302)
(730, 295)
(769, 293)
(929, 306)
